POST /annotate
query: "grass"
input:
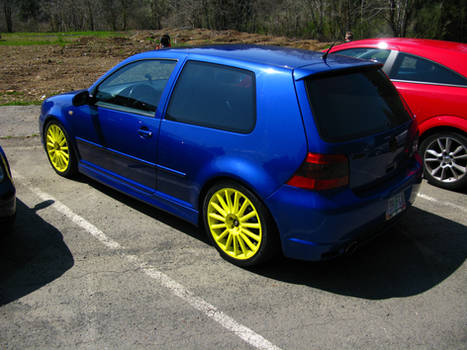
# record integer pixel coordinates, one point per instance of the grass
(59, 38)
(21, 103)
(16, 98)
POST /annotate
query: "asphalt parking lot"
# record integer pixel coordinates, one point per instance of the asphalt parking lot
(89, 268)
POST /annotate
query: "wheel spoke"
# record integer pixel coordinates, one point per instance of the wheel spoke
(217, 217)
(236, 246)
(222, 202)
(441, 147)
(251, 225)
(247, 241)
(222, 235)
(457, 150)
(434, 153)
(57, 163)
(242, 245)
(464, 156)
(250, 215)
(229, 242)
(454, 174)
(235, 203)
(443, 172)
(257, 238)
(448, 144)
(218, 226)
(228, 201)
(62, 142)
(435, 171)
(219, 209)
(64, 159)
(460, 168)
(243, 207)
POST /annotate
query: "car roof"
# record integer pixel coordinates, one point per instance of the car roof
(309, 62)
(448, 53)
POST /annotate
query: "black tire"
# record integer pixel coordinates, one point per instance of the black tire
(71, 167)
(444, 158)
(249, 255)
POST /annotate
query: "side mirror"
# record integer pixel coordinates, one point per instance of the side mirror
(81, 98)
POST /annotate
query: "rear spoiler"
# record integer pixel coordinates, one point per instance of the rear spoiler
(336, 64)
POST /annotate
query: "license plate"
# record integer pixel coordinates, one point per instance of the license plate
(396, 205)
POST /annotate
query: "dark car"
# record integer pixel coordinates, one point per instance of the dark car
(269, 148)
(7, 194)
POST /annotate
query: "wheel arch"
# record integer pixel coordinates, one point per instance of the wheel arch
(226, 178)
(442, 124)
(51, 117)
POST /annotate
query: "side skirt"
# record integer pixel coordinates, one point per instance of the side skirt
(157, 199)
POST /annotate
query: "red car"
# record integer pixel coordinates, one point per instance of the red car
(431, 76)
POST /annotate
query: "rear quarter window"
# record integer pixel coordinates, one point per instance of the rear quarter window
(214, 96)
(413, 68)
(351, 104)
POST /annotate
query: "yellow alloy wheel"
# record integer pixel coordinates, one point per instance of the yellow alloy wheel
(234, 223)
(57, 148)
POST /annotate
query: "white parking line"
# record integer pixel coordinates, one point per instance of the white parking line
(448, 204)
(243, 332)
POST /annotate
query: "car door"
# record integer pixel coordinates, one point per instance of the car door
(122, 129)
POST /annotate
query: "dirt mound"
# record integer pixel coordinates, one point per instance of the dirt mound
(29, 73)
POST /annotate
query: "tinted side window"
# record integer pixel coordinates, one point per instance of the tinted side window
(216, 96)
(414, 68)
(348, 105)
(137, 86)
(367, 53)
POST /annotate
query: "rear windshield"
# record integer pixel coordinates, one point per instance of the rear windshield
(352, 104)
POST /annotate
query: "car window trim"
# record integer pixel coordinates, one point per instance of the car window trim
(428, 83)
(124, 109)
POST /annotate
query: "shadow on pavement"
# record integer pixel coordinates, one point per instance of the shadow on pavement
(147, 209)
(32, 255)
(417, 254)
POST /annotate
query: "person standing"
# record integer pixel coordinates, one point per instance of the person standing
(164, 42)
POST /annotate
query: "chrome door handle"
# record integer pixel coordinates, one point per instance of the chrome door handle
(145, 132)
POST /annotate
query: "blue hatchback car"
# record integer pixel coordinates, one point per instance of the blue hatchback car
(269, 148)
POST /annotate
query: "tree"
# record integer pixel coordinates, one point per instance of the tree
(7, 12)
(399, 15)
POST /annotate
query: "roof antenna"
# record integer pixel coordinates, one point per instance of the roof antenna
(325, 55)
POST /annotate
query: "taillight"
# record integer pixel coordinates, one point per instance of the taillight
(322, 172)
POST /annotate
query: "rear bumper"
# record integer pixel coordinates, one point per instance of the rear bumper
(322, 225)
